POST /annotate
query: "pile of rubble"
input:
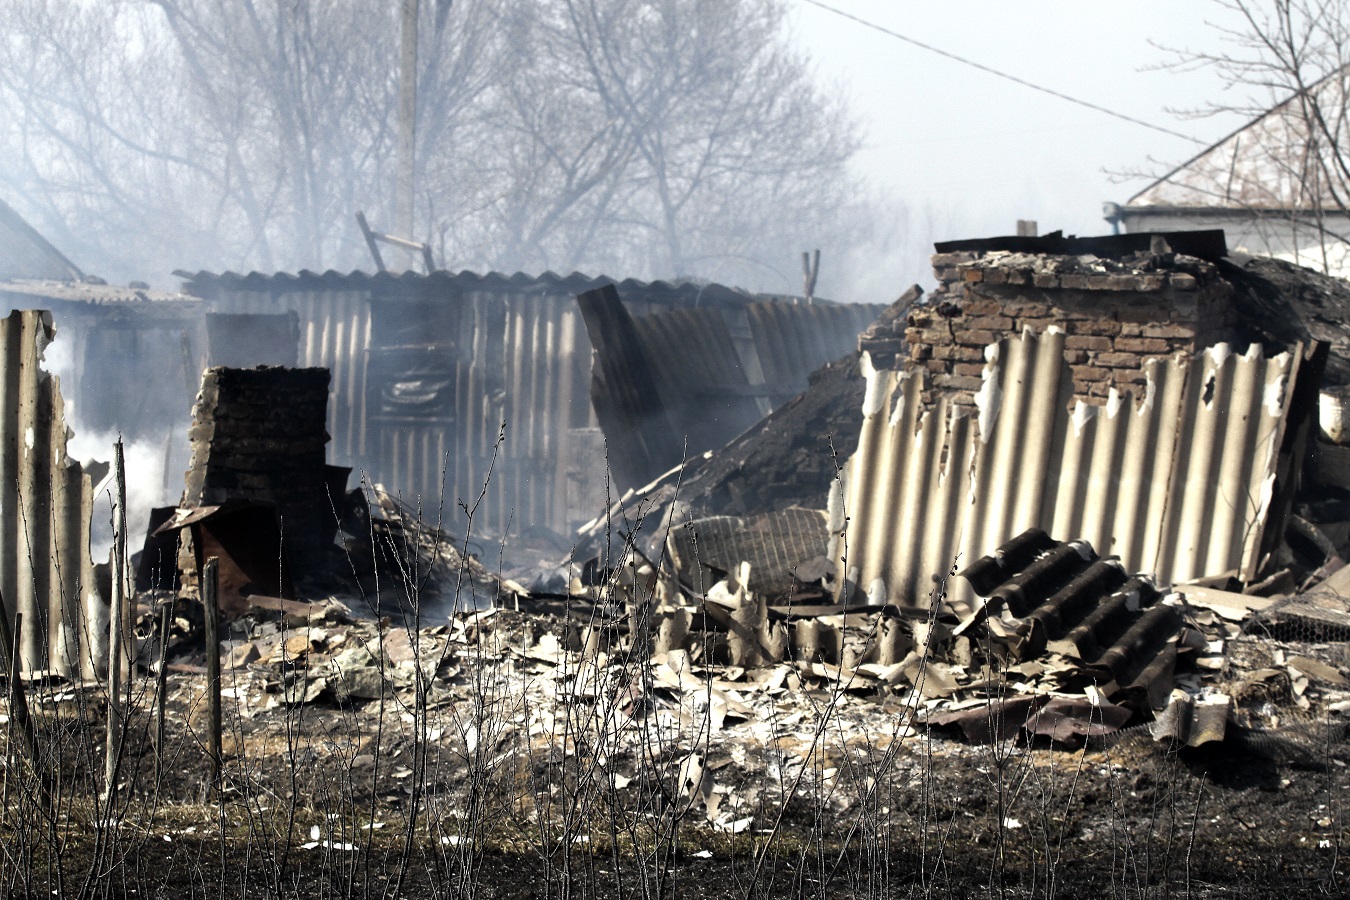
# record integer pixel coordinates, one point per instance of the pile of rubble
(1064, 645)
(723, 589)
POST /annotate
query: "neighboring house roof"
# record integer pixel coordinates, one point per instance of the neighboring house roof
(95, 293)
(26, 254)
(1264, 165)
(678, 293)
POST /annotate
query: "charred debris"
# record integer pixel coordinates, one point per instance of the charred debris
(1097, 486)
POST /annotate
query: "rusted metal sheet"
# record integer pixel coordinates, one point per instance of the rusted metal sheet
(246, 538)
(1176, 483)
(46, 500)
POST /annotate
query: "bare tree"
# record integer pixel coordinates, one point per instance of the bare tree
(655, 138)
(696, 141)
(183, 133)
(1286, 68)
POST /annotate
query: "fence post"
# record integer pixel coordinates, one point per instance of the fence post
(212, 610)
(117, 633)
(18, 701)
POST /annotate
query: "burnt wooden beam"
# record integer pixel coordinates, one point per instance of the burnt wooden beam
(624, 391)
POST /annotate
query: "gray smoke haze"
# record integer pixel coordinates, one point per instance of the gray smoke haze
(149, 484)
(636, 138)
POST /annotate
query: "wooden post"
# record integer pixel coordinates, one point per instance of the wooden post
(161, 690)
(810, 272)
(407, 118)
(18, 701)
(117, 632)
(370, 240)
(212, 611)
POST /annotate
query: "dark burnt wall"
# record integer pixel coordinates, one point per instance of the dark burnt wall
(259, 435)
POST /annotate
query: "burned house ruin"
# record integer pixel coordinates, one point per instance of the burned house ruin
(439, 379)
(1096, 389)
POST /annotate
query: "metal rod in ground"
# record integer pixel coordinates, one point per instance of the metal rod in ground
(18, 700)
(117, 637)
(212, 614)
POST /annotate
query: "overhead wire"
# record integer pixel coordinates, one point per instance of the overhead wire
(1004, 75)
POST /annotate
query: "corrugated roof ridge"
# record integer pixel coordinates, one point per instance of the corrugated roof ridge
(572, 282)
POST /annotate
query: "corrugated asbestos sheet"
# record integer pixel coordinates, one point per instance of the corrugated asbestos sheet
(661, 293)
(513, 366)
(428, 372)
(715, 371)
(1042, 595)
(755, 357)
(128, 370)
(334, 334)
(46, 500)
(1176, 483)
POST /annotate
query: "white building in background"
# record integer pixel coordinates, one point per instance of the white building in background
(1271, 187)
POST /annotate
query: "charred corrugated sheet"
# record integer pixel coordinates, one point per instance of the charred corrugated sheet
(624, 391)
(1176, 482)
(46, 500)
(1207, 244)
(717, 370)
(1041, 595)
(499, 350)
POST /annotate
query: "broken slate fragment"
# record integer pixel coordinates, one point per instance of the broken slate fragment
(356, 675)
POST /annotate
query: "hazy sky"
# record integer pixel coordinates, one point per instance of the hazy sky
(971, 152)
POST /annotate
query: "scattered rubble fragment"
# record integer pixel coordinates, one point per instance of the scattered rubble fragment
(1065, 646)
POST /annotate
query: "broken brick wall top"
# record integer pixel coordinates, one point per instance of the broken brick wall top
(1115, 312)
(259, 435)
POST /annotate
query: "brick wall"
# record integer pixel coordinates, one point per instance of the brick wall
(1115, 314)
(259, 435)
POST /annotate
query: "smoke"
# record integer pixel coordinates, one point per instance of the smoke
(147, 473)
(146, 487)
(888, 251)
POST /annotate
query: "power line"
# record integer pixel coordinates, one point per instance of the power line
(1013, 78)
